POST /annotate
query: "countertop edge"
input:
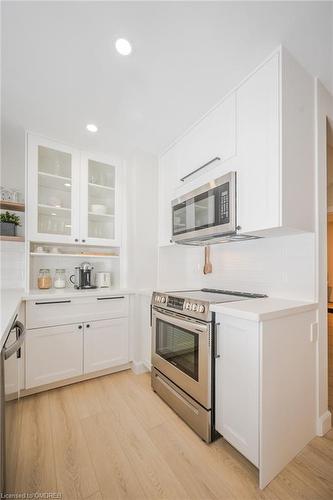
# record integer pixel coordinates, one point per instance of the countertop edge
(290, 309)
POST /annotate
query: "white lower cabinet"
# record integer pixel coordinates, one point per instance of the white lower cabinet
(61, 352)
(266, 386)
(53, 354)
(237, 385)
(105, 344)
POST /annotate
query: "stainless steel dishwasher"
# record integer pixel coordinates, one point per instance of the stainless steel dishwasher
(9, 410)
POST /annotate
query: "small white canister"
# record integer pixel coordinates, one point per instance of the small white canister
(60, 278)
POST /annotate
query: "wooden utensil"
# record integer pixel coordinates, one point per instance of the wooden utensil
(208, 268)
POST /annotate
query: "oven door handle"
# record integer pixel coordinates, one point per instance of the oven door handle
(186, 325)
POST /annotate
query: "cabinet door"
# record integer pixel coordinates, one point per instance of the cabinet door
(237, 384)
(211, 141)
(100, 201)
(53, 191)
(105, 344)
(53, 353)
(258, 150)
(167, 172)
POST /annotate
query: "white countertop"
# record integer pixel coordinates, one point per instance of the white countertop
(263, 309)
(10, 303)
(54, 293)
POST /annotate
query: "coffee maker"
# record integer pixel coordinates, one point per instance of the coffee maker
(83, 277)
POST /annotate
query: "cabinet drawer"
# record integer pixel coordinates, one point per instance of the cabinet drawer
(53, 354)
(49, 312)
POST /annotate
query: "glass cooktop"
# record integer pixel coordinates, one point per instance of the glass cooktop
(214, 296)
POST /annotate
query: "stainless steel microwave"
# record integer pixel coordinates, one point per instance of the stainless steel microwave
(207, 214)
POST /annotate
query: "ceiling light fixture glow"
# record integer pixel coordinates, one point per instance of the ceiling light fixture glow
(123, 46)
(92, 127)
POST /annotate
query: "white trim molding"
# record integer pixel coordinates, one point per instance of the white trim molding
(324, 423)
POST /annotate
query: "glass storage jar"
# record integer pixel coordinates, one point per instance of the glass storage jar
(44, 279)
(59, 278)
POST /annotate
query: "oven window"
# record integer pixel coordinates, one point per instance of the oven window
(178, 346)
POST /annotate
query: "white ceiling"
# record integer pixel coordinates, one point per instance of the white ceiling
(60, 70)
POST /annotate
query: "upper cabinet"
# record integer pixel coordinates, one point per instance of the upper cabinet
(72, 197)
(209, 143)
(264, 131)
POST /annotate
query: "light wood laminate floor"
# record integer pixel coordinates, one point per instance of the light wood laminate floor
(113, 438)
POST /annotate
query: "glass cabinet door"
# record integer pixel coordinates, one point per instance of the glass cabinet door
(53, 202)
(100, 206)
(54, 191)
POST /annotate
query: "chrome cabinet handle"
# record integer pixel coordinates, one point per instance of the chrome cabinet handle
(217, 158)
(53, 302)
(110, 298)
(216, 355)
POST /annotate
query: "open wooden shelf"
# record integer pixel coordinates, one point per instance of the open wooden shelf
(11, 238)
(12, 205)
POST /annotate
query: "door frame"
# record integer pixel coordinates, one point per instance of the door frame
(323, 112)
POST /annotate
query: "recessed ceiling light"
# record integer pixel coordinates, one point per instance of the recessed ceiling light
(92, 127)
(123, 46)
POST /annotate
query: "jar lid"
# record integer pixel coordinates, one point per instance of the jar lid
(60, 270)
(45, 270)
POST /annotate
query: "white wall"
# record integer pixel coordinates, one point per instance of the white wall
(141, 247)
(281, 266)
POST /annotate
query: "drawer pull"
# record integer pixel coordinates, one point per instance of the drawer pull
(110, 298)
(53, 302)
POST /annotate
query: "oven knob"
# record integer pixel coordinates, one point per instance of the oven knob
(158, 298)
(202, 309)
(195, 307)
(163, 299)
(188, 306)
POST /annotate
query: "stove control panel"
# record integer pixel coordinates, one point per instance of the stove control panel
(175, 303)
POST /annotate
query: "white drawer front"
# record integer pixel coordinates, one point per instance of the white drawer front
(40, 313)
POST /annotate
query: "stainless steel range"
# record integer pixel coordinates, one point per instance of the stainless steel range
(183, 352)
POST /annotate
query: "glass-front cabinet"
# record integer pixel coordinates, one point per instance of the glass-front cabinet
(100, 198)
(72, 197)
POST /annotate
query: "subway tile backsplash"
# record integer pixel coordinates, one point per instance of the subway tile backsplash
(12, 264)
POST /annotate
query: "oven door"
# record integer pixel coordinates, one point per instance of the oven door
(182, 352)
(207, 211)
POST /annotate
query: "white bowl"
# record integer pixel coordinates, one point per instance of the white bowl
(98, 209)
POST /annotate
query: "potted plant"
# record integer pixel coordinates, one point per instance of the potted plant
(8, 224)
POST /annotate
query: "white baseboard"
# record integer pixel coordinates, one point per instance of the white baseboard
(139, 367)
(324, 423)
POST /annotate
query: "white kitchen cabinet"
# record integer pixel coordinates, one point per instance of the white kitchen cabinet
(275, 149)
(209, 142)
(237, 385)
(53, 191)
(53, 354)
(73, 197)
(105, 344)
(264, 131)
(56, 311)
(100, 201)
(266, 385)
